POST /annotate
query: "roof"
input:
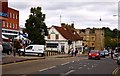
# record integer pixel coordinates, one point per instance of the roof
(68, 33)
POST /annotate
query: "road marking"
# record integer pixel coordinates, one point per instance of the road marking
(43, 69)
(115, 71)
(80, 68)
(69, 72)
(65, 63)
(52, 67)
(85, 65)
(47, 68)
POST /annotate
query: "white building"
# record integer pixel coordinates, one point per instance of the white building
(58, 38)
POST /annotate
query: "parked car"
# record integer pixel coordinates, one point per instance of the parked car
(94, 54)
(33, 49)
(106, 52)
(118, 59)
(7, 47)
(102, 54)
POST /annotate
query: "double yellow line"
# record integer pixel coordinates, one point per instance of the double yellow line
(115, 71)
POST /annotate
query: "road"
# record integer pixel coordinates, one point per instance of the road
(63, 67)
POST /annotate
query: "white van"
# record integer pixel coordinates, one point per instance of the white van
(36, 49)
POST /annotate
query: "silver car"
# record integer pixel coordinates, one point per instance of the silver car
(118, 59)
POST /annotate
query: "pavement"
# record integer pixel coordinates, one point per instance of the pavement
(7, 59)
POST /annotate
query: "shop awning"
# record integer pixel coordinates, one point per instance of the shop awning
(4, 37)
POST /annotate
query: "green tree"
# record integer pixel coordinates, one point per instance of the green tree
(36, 27)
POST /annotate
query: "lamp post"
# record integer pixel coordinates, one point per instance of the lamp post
(115, 15)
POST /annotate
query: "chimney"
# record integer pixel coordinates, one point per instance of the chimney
(72, 25)
(63, 25)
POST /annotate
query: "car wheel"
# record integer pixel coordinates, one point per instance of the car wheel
(8, 53)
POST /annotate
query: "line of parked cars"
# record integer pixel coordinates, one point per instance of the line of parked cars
(7, 48)
(96, 54)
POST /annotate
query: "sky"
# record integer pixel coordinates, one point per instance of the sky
(83, 13)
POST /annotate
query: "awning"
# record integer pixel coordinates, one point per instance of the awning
(21, 37)
(4, 37)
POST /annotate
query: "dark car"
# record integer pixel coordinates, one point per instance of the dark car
(102, 54)
(94, 54)
(7, 48)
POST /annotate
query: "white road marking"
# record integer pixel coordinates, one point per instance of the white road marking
(43, 69)
(69, 72)
(92, 66)
(65, 63)
(47, 68)
(80, 68)
(85, 65)
(88, 68)
(52, 67)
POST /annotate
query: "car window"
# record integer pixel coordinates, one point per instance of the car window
(29, 47)
(93, 51)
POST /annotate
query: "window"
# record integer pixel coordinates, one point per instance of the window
(52, 45)
(10, 15)
(7, 24)
(93, 38)
(16, 16)
(16, 26)
(87, 37)
(3, 23)
(57, 36)
(92, 44)
(30, 47)
(49, 36)
(10, 25)
(13, 25)
(13, 16)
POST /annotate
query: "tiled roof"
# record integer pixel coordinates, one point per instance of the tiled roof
(68, 33)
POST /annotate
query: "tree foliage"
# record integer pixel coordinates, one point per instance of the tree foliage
(111, 37)
(36, 27)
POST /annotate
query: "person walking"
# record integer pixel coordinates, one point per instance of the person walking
(72, 51)
(76, 51)
(17, 46)
(112, 52)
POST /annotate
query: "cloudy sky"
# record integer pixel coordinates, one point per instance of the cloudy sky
(82, 13)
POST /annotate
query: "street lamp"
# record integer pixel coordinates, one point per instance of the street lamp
(118, 26)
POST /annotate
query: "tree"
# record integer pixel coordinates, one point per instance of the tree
(36, 27)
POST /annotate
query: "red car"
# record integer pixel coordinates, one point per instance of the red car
(94, 54)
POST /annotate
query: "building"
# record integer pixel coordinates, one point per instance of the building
(63, 38)
(92, 38)
(10, 21)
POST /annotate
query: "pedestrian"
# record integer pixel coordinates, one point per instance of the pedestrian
(72, 52)
(68, 52)
(17, 46)
(112, 52)
(76, 51)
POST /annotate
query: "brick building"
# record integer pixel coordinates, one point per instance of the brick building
(10, 20)
(92, 38)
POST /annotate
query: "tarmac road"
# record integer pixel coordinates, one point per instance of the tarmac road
(63, 67)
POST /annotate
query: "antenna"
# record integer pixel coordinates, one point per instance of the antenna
(60, 19)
